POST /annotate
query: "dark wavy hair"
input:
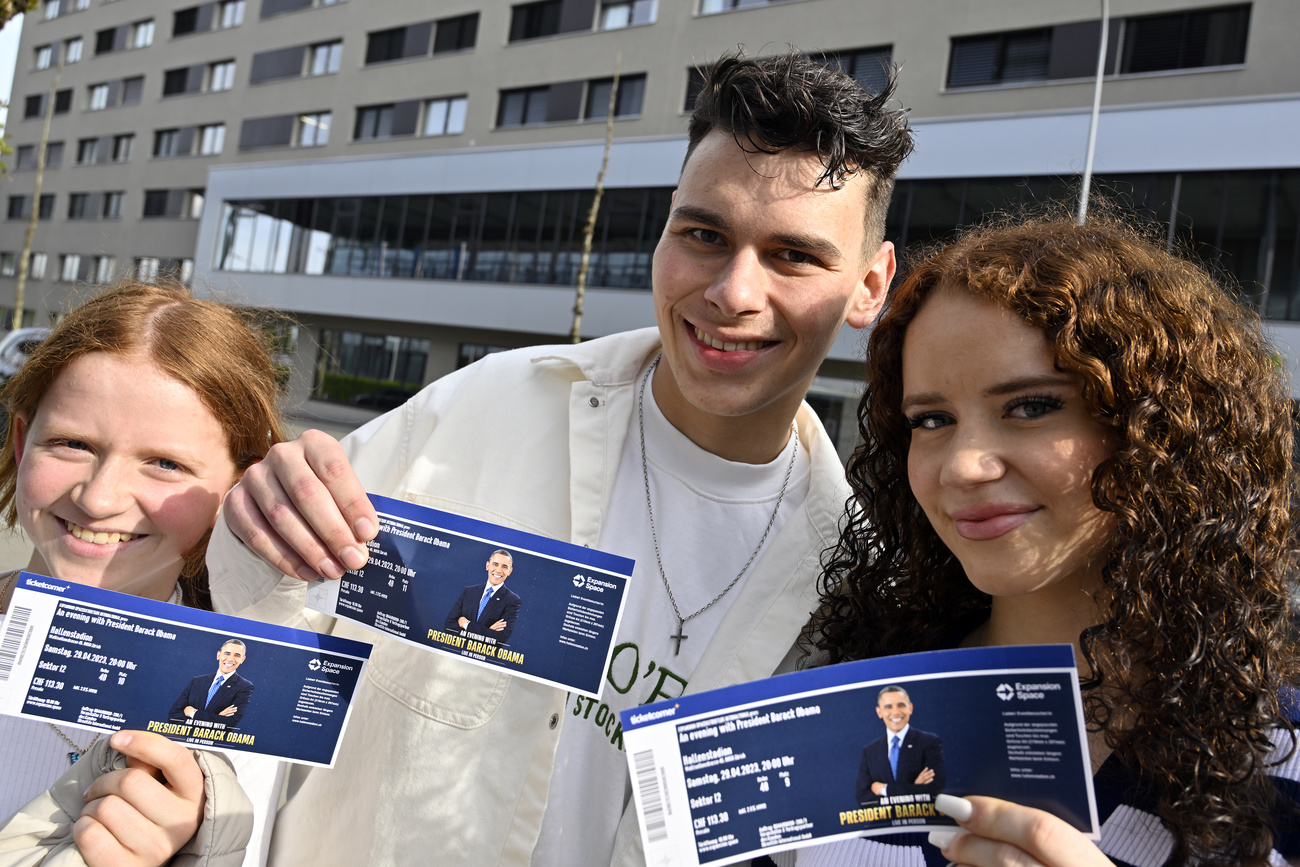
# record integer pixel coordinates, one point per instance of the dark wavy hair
(792, 101)
(219, 351)
(1195, 643)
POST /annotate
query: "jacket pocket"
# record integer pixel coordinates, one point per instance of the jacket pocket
(447, 690)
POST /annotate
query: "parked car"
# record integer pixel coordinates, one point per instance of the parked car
(16, 346)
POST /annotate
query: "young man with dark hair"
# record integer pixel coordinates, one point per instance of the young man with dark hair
(687, 448)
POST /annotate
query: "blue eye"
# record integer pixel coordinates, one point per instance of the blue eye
(1034, 407)
(76, 444)
(168, 465)
(928, 421)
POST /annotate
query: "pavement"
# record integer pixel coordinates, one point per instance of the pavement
(337, 420)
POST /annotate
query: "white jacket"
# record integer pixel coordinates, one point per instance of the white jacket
(444, 760)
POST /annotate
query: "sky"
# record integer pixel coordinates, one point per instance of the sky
(8, 58)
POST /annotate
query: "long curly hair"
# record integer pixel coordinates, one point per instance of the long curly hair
(1195, 642)
(219, 351)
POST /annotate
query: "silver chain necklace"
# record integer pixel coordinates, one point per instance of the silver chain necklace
(680, 636)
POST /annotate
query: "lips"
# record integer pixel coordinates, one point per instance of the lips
(727, 345)
(990, 520)
(98, 538)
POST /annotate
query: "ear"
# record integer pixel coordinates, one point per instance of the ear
(18, 430)
(875, 286)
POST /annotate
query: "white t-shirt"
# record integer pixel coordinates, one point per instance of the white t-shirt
(709, 515)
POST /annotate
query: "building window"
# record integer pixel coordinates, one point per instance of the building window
(104, 40)
(232, 13)
(212, 138)
(869, 67)
(98, 97)
(77, 206)
(132, 88)
(47, 206)
(37, 265)
(44, 56)
(1185, 40)
(72, 50)
(710, 7)
(8, 264)
(33, 106)
(325, 58)
(194, 200)
(1000, 58)
(166, 142)
(384, 45)
(51, 9)
(533, 20)
(456, 34)
(113, 205)
(626, 13)
(177, 81)
(221, 76)
(313, 130)
(627, 102)
(524, 106)
(17, 207)
(122, 147)
(141, 34)
(146, 269)
(155, 203)
(185, 273)
(69, 265)
(472, 352)
(25, 158)
(101, 269)
(87, 149)
(63, 101)
(374, 121)
(185, 21)
(445, 116)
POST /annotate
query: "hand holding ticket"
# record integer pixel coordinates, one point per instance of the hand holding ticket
(90, 658)
(861, 749)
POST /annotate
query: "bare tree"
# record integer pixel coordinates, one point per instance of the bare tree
(575, 334)
(20, 291)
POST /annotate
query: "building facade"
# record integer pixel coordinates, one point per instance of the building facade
(410, 180)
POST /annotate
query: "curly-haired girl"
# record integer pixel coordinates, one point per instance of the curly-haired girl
(1071, 435)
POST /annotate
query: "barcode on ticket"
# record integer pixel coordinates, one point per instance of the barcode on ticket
(652, 806)
(12, 640)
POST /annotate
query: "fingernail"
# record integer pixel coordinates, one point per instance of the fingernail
(954, 807)
(353, 558)
(329, 568)
(943, 839)
(364, 528)
(306, 574)
(121, 739)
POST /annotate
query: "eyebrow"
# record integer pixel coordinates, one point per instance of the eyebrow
(1009, 387)
(814, 244)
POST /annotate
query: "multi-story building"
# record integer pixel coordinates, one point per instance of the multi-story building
(410, 179)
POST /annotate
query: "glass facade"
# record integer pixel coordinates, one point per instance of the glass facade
(526, 237)
(1245, 225)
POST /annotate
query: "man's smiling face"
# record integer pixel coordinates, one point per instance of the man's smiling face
(230, 657)
(895, 710)
(757, 269)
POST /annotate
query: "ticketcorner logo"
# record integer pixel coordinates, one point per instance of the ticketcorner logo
(1005, 692)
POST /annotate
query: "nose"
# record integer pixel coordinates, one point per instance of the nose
(104, 493)
(741, 287)
(971, 459)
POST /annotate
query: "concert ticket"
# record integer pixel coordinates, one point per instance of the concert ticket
(94, 659)
(495, 596)
(830, 755)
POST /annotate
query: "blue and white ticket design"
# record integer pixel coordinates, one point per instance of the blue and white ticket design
(858, 750)
(89, 658)
(494, 596)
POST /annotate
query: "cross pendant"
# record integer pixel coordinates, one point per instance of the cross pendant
(679, 637)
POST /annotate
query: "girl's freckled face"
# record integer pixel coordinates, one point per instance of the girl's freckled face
(120, 472)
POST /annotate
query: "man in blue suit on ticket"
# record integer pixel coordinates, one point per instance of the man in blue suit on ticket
(906, 761)
(488, 609)
(220, 698)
